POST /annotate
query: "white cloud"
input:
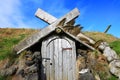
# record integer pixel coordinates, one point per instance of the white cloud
(11, 15)
(12, 12)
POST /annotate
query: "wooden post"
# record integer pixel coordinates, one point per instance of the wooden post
(107, 29)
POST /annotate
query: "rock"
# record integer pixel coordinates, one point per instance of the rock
(21, 72)
(8, 72)
(31, 73)
(97, 77)
(110, 54)
(29, 57)
(29, 63)
(86, 75)
(83, 71)
(82, 52)
(103, 45)
(37, 55)
(32, 76)
(115, 68)
(31, 69)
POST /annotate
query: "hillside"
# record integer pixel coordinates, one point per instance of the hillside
(101, 36)
(10, 37)
(113, 41)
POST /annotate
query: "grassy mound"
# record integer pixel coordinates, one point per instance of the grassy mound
(9, 38)
(101, 36)
(113, 41)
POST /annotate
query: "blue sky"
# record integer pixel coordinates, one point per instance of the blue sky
(95, 15)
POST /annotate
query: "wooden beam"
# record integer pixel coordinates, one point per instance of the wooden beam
(45, 16)
(71, 15)
(50, 19)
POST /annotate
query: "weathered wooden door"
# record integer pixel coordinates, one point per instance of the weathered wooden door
(59, 59)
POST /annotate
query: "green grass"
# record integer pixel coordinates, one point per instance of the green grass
(2, 78)
(5, 77)
(113, 78)
(6, 46)
(116, 46)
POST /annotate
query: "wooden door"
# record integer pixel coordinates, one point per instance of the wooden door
(59, 59)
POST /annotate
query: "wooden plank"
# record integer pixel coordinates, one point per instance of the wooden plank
(51, 60)
(48, 61)
(44, 32)
(70, 75)
(45, 16)
(65, 70)
(69, 16)
(68, 46)
(74, 60)
(56, 58)
(43, 52)
(77, 39)
(60, 59)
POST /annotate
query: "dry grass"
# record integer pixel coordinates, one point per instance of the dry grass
(10, 32)
(101, 36)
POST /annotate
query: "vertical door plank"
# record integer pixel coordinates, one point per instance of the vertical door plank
(56, 58)
(69, 59)
(43, 66)
(60, 59)
(65, 77)
(74, 60)
(69, 55)
(48, 61)
(51, 60)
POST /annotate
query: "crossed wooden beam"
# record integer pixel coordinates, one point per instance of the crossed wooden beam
(53, 23)
(53, 20)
